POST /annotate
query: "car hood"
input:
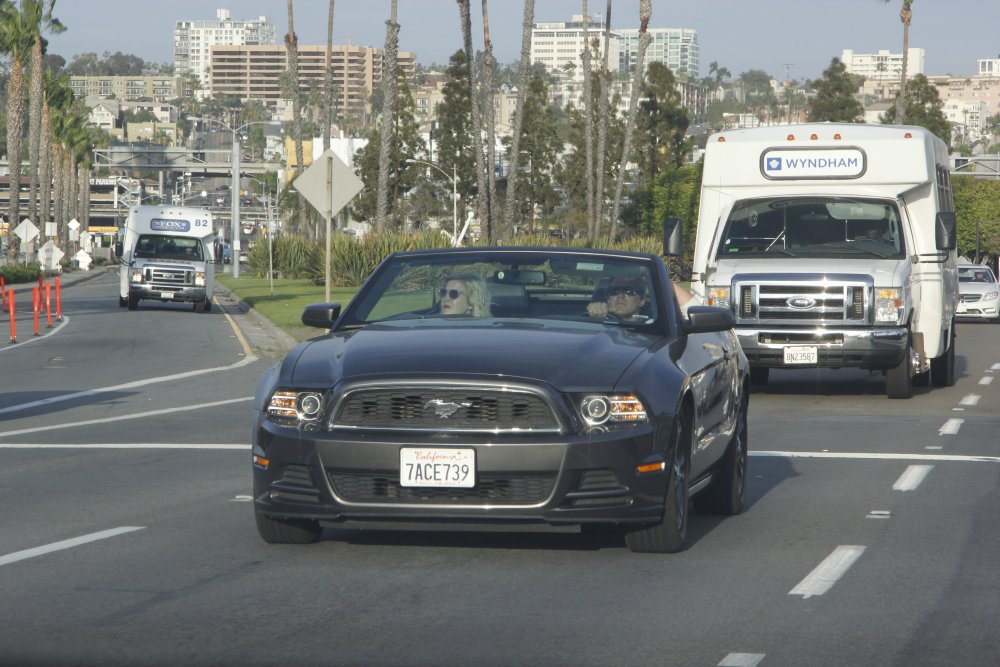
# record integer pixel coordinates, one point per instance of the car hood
(570, 357)
(977, 288)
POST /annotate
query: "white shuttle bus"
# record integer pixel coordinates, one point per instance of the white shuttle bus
(168, 255)
(834, 245)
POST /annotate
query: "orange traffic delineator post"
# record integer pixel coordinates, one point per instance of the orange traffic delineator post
(48, 304)
(13, 325)
(58, 301)
(35, 299)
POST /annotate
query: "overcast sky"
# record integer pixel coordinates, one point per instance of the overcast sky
(738, 34)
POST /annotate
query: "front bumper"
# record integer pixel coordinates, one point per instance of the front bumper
(835, 348)
(543, 479)
(168, 293)
(980, 309)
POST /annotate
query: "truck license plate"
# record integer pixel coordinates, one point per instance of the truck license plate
(801, 355)
(433, 466)
(166, 295)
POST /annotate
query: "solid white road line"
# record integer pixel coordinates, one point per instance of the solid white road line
(951, 427)
(884, 457)
(138, 415)
(742, 660)
(911, 478)
(66, 544)
(25, 341)
(827, 573)
(128, 385)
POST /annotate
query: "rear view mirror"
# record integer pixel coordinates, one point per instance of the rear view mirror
(945, 235)
(520, 277)
(673, 241)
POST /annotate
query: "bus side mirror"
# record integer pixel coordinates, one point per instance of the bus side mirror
(945, 236)
(673, 240)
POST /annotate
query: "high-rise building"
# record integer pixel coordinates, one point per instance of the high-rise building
(883, 65)
(558, 45)
(193, 42)
(677, 48)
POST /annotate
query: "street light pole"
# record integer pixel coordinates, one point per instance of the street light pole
(454, 194)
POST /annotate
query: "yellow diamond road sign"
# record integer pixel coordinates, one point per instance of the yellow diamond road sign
(328, 184)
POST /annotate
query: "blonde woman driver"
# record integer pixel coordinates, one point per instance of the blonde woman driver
(465, 294)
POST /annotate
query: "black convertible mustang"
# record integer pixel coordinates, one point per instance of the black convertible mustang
(506, 384)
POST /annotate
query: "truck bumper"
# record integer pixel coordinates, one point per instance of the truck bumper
(167, 294)
(835, 348)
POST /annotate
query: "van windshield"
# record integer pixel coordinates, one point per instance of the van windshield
(159, 246)
(813, 226)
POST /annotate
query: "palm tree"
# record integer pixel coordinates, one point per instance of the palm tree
(482, 205)
(602, 128)
(905, 16)
(388, 120)
(38, 15)
(327, 115)
(292, 47)
(645, 13)
(16, 40)
(57, 99)
(588, 113)
(523, 75)
(490, 119)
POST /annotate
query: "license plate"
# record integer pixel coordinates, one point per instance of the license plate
(433, 466)
(961, 308)
(801, 355)
(166, 295)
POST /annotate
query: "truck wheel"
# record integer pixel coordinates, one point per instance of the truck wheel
(898, 382)
(668, 535)
(943, 367)
(759, 376)
(122, 301)
(199, 306)
(133, 301)
(287, 531)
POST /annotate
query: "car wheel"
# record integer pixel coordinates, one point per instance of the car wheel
(943, 367)
(898, 381)
(122, 302)
(727, 495)
(668, 535)
(286, 531)
(133, 301)
(759, 375)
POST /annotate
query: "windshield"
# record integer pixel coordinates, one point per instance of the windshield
(159, 246)
(813, 226)
(976, 274)
(535, 285)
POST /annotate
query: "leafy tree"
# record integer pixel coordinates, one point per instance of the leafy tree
(387, 122)
(514, 146)
(977, 200)
(834, 100)
(109, 64)
(455, 148)
(923, 108)
(675, 193)
(662, 124)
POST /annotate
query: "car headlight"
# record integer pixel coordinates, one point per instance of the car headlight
(718, 297)
(295, 408)
(888, 305)
(199, 278)
(137, 276)
(990, 296)
(612, 410)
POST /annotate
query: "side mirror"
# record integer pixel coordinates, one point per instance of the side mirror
(705, 319)
(673, 240)
(119, 249)
(321, 315)
(945, 235)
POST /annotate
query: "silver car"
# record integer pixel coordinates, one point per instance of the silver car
(980, 293)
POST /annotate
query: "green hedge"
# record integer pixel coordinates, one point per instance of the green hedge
(21, 273)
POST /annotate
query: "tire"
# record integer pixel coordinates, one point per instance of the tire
(199, 306)
(279, 531)
(133, 301)
(759, 376)
(943, 367)
(208, 305)
(727, 495)
(668, 535)
(898, 381)
(122, 302)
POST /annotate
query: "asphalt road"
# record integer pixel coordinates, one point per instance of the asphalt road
(871, 536)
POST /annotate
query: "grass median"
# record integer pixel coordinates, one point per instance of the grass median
(284, 307)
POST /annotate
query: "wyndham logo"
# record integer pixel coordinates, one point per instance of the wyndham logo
(774, 164)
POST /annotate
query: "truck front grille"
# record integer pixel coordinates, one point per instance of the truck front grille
(803, 300)
(169, 277)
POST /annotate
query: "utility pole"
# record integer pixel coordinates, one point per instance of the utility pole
(788, 91)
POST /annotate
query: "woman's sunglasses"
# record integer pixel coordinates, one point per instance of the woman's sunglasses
(450, 293)
(627, 291)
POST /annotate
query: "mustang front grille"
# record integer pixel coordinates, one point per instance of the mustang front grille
(445, 408)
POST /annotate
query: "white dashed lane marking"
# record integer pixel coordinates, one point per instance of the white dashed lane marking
(66, 544)
(911, 478)
(829, 572)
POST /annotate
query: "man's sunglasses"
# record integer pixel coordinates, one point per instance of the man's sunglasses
(450, 293)
(627, 291)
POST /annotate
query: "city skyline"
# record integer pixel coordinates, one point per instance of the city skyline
(771, 35)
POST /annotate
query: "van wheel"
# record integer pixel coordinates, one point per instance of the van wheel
(122, 301)
(668, 535)
(133, 301)
(898, 381)
(199, 306)
(943, 367)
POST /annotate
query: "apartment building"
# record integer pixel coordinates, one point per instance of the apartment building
(124, 88)
(883, 65)
(969, 101)
(558, 45)
(677, 48)
(254, 72)
(989, 67)
(194, 39)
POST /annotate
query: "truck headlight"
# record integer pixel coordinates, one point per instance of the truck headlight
(199, 278)
(295, 408)
(888, 305)
(718, 297)
(137, 276)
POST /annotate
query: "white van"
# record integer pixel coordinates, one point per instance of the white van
(834, 245)
(167, 255)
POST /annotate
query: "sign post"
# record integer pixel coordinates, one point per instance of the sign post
(329, 185)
